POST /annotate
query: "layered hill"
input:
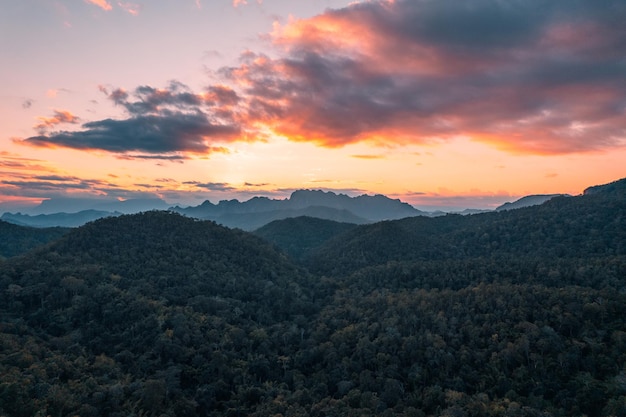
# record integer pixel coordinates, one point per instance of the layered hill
(258, 211)
(75, 205)
(298, 236)
(247, 215)
(16, 240)
(57, 219)
(593, 224)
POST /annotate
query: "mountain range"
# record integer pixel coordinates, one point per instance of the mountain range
(248, 215)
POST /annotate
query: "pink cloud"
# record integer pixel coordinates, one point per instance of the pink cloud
(522, 78)
(103, 4)
(131, 8)
(237, 3)
(59, 117)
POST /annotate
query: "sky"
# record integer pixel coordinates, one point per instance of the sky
(440, 103)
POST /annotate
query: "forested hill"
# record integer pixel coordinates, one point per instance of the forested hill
(157, 254)
(152, 311)
(298, 236)
(591, 225)
(15, 240)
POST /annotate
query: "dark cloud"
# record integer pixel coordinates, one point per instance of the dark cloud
(57, 183)
(222, 95)
(55, 178)
(27, 104)
(174, 158)
(250, 184)
(473, 25)
(152, 134)
(161, 124)
(46, 186)
(211, 186)
(150, 100)
(528, 76)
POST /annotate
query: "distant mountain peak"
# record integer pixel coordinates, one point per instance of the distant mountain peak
(258, 211)
(75, 205)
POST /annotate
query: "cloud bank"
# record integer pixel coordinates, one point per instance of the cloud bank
(160, 123)
(534, 76)
(527, 76)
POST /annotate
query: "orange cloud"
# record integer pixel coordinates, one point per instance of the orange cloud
(60, 116)
(369, 156)
(420, 72)
(237, 3)
(10, 161)
(103, 4)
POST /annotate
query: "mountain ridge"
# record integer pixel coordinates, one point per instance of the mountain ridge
(60, 219)
(529, 200)
(364, 208)
(565, 222)
(258, 211)
(247, 215)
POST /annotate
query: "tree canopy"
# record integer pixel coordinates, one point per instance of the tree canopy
(518, 313)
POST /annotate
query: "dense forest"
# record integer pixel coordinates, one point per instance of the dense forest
(514, 313)
(16, 240)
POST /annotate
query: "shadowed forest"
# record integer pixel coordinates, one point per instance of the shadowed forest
(511, 313)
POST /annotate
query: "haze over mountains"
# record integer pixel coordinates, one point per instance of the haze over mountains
(247, 215)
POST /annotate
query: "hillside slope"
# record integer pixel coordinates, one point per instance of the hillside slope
(131, 313)
(528, 201)
(570, 227)
(16, 240)
(299, 235)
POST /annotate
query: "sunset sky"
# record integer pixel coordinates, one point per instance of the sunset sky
(440, 103)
